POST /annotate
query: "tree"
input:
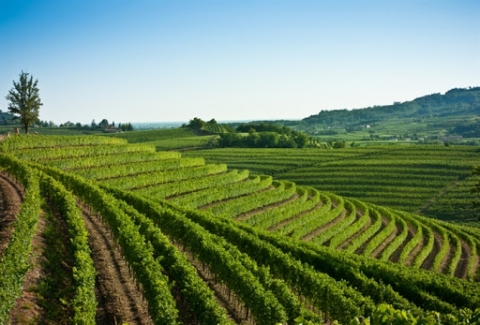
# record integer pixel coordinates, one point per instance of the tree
(196, 123)
(268, 140)
(126, 127)
(301, 139)
(230, 140)
(339, 144)
(25, 100)
(103, 123)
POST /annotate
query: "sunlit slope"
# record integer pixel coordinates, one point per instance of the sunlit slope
(430, 180)
(209, 210)
(282, 207)
(168, 139)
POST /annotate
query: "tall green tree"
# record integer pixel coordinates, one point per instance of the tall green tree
(24, 100)
(196, 123)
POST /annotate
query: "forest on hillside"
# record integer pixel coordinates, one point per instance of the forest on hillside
(455, 102)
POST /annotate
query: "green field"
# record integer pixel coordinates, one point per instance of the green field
(394, 131)
(424, 179)
(280, 248)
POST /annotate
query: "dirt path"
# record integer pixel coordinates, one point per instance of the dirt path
(11, 195)
(462, 267)
(413, 254)
(119, 299)
(437, 246)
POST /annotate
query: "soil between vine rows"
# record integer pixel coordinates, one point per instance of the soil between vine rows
(11, 195)
(119, 299)
(28, 308)
(347, 242)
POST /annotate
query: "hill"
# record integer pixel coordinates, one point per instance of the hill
(432, 180)
(428, 179)
(197, 242)
(455, 102)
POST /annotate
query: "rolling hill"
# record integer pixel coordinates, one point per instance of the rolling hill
(205, 243)
(454, 103)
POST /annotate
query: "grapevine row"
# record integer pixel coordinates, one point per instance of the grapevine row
(232, 208)
(274, 215)
(138, 253)
(221, 191)
(77, 152)
(144, 180)
(336, 298)
(135, 168)
(193, 187)
(14, 262)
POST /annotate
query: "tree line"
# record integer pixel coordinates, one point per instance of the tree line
(263, 135)
(455, 102)
(251, 135)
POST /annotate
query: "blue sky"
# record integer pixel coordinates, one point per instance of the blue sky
(156, 61)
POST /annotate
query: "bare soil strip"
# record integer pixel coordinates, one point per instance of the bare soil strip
(411, 233)
(447, 260)
(249, 214)
(437, 246)
(119, 299)
(226, 298)
(17, 185)
(27, 309)
(11, 194)
(413, 254)
(462, 267)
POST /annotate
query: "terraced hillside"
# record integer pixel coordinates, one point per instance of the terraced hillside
(198, 243)
(430, 180)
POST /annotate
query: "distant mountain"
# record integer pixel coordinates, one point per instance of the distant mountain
(455, 102)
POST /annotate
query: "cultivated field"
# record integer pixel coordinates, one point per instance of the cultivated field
(430, 180)
(151, 237)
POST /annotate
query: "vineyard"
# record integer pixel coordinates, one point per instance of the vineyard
(151, 237)
(168, 139)
(429, 180)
